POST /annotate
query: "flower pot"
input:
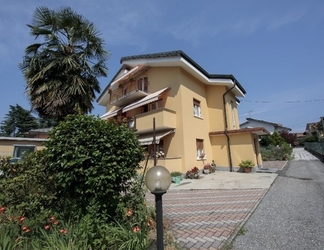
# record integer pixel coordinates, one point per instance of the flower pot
(247, 170)
(206, 171)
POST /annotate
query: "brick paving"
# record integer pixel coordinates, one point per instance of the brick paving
(205, 219)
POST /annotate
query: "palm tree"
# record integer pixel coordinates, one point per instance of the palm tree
(61, 71)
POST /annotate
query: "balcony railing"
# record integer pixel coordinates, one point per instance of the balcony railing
(126, 94)
(164, 119)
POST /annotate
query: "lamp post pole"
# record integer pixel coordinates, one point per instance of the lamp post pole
(158, 180)
(159, 221)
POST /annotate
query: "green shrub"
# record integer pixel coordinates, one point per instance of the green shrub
(92, 162)
(28, 188)
(276, 153)
(85, 179)
(175, 174)
(246, 164)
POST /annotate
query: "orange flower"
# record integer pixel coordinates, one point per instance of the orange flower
(21, 218)
(149, 223)
(47, 227)
(25, 229)
(63, 231)
(129, 212)
(136, 229)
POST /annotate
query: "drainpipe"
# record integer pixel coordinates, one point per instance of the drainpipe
(226, 128)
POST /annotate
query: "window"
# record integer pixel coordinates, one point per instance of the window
(196, 108)
(152, 106)
(200, 149)
(142, 84)
(145, 108)
(159, 150)
(21, 150)
(156, 105)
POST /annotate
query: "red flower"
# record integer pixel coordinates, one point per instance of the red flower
(136, 229)
(129, 212)
(25, 229)
(2, 209)
(21, 218)
(52, 218)
(149, 223)
(63, 231)
(47, 227)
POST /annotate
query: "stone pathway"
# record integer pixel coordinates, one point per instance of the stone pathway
(205, 219)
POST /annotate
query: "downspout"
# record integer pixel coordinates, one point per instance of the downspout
(226, 128)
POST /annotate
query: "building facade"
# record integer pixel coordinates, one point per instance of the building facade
(269, 126)
(195, 113)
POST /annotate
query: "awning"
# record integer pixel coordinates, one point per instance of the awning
(147, 99)
(110, 114)
(148, 139)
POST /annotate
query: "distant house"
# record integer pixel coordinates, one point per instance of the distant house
(38, 133)
(269, 126)
(196, 116)
(15, 147)
(315, 128)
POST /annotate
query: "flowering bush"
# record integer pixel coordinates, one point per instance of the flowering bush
(193, 173)
(207, 166)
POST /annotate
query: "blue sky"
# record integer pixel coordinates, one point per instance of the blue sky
(275, 49)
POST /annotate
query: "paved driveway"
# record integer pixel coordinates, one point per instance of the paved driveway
(290, 216)
(204, 219)
(205, 213)
(301, 154)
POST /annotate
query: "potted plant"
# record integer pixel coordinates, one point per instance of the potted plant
(247, 165)
(207, 168)
(193, 173)
(176, 177)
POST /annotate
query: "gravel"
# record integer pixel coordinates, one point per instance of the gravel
(291, 215)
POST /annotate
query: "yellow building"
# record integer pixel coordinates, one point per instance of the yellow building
(196, 117)
(15, 147)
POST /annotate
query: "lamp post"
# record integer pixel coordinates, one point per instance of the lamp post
(158, 180)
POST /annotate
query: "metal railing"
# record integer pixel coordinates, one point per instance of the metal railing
(315, 146)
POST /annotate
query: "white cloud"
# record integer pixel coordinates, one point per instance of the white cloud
(288, 18)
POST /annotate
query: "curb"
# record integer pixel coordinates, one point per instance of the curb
(242, 223)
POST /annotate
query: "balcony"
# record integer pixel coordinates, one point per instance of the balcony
(164, 119)
(126, 93)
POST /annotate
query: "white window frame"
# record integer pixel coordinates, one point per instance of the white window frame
(200, 153)
(19, 155)
(142, 84)
(196, 108)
